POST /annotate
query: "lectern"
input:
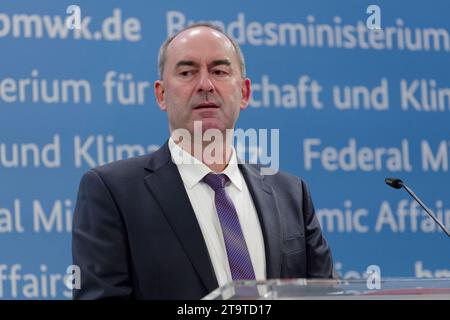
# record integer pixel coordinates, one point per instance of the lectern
(320, 289)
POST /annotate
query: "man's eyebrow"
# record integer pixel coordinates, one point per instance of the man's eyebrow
(186, 63)
(221, 62)
(214, 63)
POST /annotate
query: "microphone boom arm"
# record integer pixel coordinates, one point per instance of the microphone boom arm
(427, 210)
(398, 184)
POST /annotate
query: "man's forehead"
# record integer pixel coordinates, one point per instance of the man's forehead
(201, 33)
(199, 41)
(198, 32)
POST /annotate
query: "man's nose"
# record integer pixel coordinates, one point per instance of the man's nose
(205, 84)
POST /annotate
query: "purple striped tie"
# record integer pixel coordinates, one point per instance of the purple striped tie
(237, 252)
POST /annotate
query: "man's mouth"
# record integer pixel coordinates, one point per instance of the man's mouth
(207, 105)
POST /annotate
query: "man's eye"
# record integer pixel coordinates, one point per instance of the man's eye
(219, 72)
(186, 73)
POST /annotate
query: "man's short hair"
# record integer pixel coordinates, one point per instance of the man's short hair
(163, 49)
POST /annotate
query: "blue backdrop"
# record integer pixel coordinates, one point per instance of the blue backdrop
(353, 106)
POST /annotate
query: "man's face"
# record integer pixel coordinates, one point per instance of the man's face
(202, 81)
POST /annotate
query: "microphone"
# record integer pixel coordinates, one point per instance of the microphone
(398, 184)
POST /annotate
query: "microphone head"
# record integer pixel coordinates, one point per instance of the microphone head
(394, 183)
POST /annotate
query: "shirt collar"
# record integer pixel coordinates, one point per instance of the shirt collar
(193, 170)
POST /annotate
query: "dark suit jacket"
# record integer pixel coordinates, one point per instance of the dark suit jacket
(135, 234)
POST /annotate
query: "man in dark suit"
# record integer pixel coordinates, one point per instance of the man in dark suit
(160, 227)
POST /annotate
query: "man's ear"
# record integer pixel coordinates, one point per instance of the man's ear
(159, 94)
(246, 91)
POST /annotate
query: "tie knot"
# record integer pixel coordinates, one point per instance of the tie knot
(216, 181)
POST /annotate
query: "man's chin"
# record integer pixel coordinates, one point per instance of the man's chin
(208, 124)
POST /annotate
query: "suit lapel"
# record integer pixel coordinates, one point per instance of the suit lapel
(264, 200)
(166, 185)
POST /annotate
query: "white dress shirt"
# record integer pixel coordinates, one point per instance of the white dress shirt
(202, 200)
